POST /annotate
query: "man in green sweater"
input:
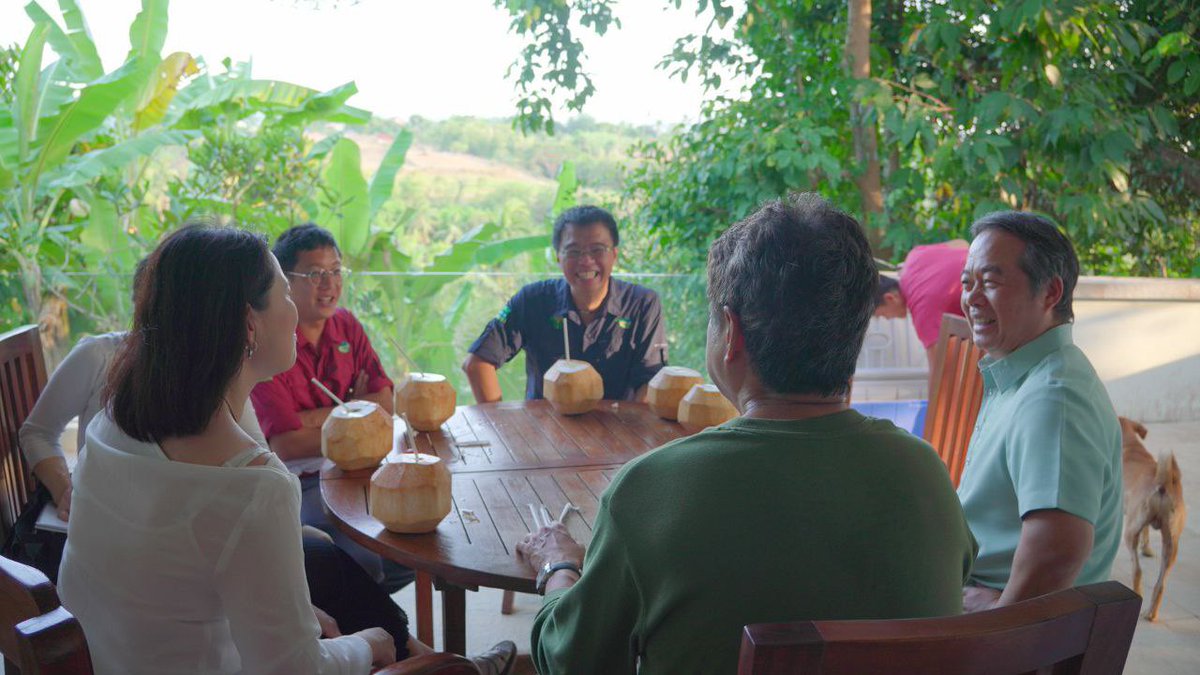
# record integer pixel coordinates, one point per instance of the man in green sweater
(801, 508)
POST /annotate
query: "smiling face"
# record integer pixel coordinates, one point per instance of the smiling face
(1005, 312)
(317, 302)
(586, 257)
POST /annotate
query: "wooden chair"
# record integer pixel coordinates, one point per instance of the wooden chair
(22, 378)
(40, 637)
(37, 636)
(955, 393)
(1085, 630)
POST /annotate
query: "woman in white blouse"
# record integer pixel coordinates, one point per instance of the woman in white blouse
(184, 548)
(74, 391)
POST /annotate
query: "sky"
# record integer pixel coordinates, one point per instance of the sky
(434, 58)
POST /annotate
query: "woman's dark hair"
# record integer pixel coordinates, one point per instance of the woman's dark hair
(584, 215)
(799, 275)
(1048, 253)
(301, 238)
(189, 330)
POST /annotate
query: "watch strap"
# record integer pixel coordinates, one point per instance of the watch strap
(548, 570)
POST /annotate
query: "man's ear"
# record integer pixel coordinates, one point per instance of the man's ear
(1053, 293)
(734, 338)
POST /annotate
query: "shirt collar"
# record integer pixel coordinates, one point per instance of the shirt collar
(614, 302)
(1007, 371)
(330, 333)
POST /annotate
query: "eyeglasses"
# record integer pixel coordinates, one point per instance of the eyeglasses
(594, 252)
(318, 277)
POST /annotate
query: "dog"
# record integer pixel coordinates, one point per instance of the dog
(1153, 498)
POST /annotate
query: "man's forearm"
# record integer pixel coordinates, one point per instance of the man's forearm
(300, 443)
(313, 419)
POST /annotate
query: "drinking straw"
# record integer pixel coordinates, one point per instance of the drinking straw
(412, 438)
(566, 342)
(328, 393)
(411, 363)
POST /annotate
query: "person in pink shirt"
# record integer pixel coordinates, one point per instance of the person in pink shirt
(930, 285)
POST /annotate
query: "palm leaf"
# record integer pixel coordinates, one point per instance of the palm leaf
(384, 180)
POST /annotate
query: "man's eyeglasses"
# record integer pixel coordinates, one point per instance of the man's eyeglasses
(317, 277)
(594, 252)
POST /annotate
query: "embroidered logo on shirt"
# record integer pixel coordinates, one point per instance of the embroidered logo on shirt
(557, 322)
(622, 322)
(502, 317)
(344, 347)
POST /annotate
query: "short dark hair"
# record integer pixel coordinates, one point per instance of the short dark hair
(1048, 253)
(189, 330)
(799, 275)
(584, 215)
(301, 238)
(887, 284)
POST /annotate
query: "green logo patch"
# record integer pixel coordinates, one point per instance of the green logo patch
(502, 317)
(557, 322)
(622, 322)
(344, 347)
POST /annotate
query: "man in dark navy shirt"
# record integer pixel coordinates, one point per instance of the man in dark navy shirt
(613, 325)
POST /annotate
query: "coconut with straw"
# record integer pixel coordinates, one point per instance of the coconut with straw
(704, 406)
(427, 398)
(572, 387)
(412, 494)
(357, 434)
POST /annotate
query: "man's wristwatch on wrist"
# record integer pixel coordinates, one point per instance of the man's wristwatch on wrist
(548, 569)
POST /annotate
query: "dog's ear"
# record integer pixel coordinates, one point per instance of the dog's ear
(1140, 429)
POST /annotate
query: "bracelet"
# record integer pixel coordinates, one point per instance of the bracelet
(549, 569)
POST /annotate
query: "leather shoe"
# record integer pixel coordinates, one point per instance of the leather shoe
(498, 660)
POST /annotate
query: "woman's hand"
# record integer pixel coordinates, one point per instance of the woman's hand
(551, 544)
(329, 626)
(383, 648)
(62, 503)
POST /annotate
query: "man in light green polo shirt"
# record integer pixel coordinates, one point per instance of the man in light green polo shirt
(1042, 484)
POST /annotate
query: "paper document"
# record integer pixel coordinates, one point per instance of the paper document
(49, 521)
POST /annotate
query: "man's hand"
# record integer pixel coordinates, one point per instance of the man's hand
(359, 388)
(550, 545)
(979, 598)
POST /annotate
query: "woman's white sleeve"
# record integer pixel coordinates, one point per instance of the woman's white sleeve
(65, 396)
(260, 578)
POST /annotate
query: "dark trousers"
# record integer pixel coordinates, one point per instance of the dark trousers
(339, 586)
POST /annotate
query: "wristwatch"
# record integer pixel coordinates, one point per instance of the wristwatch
(544, 573)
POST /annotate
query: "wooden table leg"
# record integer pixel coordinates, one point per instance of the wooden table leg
(454, 619)
(424, 590)
(506, 602)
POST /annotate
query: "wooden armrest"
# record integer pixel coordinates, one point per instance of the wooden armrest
(442, 663)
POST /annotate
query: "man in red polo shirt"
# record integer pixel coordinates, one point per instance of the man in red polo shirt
(930, 285)
(331, 346)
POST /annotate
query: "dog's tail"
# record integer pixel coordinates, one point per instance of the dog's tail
(1167, 476)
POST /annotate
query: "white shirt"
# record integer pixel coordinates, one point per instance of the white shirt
(74, 391)
(180, 568)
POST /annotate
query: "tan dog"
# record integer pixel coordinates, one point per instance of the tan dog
(1153, 498)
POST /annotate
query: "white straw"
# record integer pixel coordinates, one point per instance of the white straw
(537, 520)
(566, 509)
(566, 341)
(412, 438)
(328, 393)
(546, 517)
(411, 363)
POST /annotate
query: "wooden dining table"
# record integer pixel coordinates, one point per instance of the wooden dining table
(503, 457)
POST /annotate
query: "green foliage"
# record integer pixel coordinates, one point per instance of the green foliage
(1083, 110)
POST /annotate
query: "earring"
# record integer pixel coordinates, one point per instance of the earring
(250, 349)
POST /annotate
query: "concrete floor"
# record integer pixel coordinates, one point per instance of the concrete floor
(1170, 646)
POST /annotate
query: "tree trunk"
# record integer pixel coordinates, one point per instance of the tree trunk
(863, 120)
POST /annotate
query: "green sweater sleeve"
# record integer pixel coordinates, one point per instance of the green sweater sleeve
(593, 626)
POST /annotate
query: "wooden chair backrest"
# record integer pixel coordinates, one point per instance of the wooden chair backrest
(955, 393)
(37, 635)
(1085, 630)
(22, 378)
